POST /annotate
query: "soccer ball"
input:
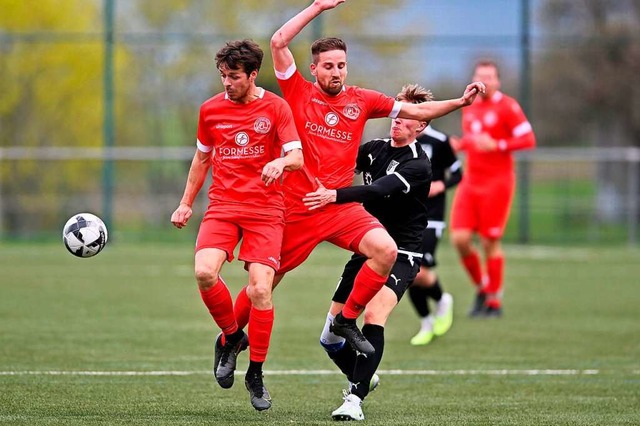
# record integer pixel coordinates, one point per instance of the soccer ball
(84, 235)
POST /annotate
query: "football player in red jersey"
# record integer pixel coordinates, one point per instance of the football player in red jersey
(330, 117)
(241, 135)
(492, 128)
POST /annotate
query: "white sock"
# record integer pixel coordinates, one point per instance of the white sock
(327, 338)
(427, 323)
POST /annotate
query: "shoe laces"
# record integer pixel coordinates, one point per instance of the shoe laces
(256, 384)
(226, 352)
(348, 398)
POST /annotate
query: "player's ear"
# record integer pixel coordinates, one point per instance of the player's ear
(423, 125)
(313, 68)
(253, 76)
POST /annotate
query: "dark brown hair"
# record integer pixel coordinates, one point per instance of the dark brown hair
(325, 45)
(240, 54)
(488, 63)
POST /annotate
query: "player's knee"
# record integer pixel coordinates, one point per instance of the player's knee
(388, 253)
(259, 292)
(205, 278)
(461, 240)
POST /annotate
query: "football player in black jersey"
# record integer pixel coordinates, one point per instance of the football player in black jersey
(397, 177)
(447, 173)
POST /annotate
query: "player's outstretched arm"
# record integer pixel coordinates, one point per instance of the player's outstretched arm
(197, 175)
(282, 56)
(383, 187)
(427, 111)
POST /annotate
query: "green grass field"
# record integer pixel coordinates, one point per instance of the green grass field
(123, 338)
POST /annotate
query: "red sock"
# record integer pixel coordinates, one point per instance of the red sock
(218, 301)
(495, 270)
(471, 263)
(260, 326)
(242, 308)
(366, 284)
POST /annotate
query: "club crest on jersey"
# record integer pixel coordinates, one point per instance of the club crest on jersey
(331, 119)
(392, 166)
(351, 111)
(262, 125)
(490, 118)
(367, 178)
(242, 139)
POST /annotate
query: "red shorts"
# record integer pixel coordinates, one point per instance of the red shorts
(483, 209)
(261, 234)
(341, 224)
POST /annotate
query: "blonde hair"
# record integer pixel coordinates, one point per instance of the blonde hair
(414, 94)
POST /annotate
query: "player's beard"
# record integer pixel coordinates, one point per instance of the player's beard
(333, 89)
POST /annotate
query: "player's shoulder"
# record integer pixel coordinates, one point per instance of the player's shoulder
(377, 142)
(364, 93)
(271, 97)
(376, 146)
(213, 101)
(507, 101)
(419, 152)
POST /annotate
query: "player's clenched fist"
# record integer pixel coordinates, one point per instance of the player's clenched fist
(181, 216)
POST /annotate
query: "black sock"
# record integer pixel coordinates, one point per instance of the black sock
(366, 365)
(345, 359)
(342, 320)
(435, 291)
(418, 296)
(234, 338)
(255, 367)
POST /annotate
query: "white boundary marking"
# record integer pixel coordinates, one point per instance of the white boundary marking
(541, 372)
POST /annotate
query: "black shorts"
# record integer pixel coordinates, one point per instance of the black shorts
(403, 273)
(430, 240)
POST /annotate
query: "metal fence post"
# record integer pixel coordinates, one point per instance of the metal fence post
(525, 98)
(633, 195)
(108, 117)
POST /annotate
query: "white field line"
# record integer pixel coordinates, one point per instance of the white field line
(315, 372)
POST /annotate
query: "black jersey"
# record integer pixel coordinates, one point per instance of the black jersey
(395, 191)
(445, 167)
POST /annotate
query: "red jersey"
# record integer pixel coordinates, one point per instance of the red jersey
(502, 118)
(242, 139)
(330, 128)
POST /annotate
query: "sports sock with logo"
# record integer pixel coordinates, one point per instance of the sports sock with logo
(366, 365)
(366, 284)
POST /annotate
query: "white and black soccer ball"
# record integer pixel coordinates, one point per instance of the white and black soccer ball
(84, 235)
